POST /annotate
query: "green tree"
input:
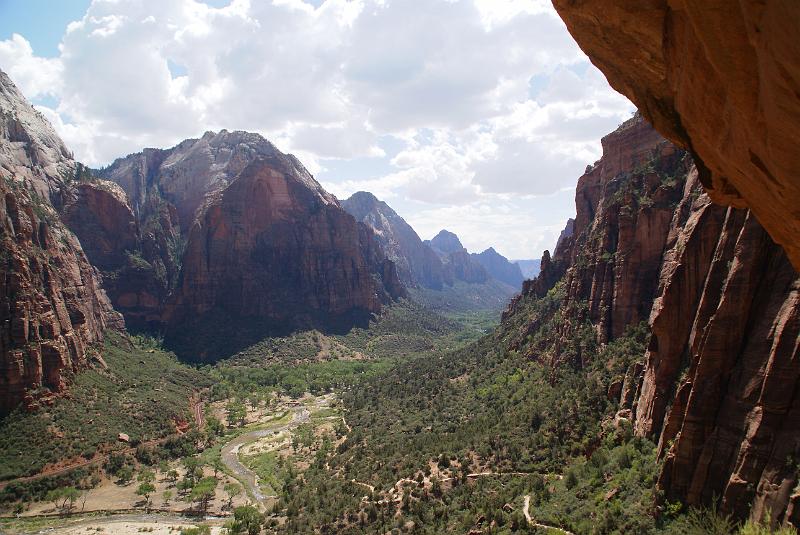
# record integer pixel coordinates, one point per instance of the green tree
(202, 492)
(54, 496)
(184, 486)
(146, 489)
(217, 465)
(63, 498)
(167, 496)
(146, 476)
(124, 475)
(214, 426)
(194, 468)
(232, 490)
(246, 520)
(236, 413)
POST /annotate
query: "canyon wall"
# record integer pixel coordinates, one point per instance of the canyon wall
(275, 248)
(719, 78)
(416, 262)
(52, 308)
(717, 387)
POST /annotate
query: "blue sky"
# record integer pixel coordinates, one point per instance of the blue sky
(475, 115)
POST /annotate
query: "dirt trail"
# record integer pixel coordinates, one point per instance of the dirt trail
(531, 522)
(197, 412)
(230, 453)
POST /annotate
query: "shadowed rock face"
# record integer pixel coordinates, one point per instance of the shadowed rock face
(195, 196)
(274, 247)
(445, 243)
(721, 370)
(716, 388)
(139, 261)
(458, 263)
(719, 78)
(416, 262)
(52, 309)
(499, 267)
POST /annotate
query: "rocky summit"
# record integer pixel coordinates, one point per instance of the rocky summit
(274, 247)
(416, 262)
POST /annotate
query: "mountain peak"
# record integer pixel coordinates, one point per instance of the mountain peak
(447, 242)
(30, 147)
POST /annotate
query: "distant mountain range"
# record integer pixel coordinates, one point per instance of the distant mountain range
(435, 263)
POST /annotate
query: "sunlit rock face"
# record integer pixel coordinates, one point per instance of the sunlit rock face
(52, 307)
(720, 79)
(416, 263)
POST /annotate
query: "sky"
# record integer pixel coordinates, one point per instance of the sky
(477, 116)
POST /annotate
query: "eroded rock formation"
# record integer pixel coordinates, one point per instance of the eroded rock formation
(719, 78)
(716, 389)
(52, 308)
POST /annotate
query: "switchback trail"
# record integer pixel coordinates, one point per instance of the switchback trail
(526, 511)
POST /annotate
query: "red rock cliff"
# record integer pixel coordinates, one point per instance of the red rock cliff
(716, 388)
(52, 308)
(275, 248)
(720, 78)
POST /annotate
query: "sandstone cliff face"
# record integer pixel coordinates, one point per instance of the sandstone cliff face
(720, 79)
(185, 175)
(416, 262)
(721, 370)
(716, 389)
(52, 308)
(624, 204)
(139, 262)
(274, 247)
(168, 191)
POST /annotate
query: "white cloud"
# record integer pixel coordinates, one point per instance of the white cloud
(34, 76)
(450, 81)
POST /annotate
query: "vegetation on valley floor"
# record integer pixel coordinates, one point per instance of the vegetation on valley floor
(479, 437)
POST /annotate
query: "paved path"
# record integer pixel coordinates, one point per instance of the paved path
(230, 452)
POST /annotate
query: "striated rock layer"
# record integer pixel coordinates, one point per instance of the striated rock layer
(719, 78)
(721, 371)
(52, 307)
(717, 387)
